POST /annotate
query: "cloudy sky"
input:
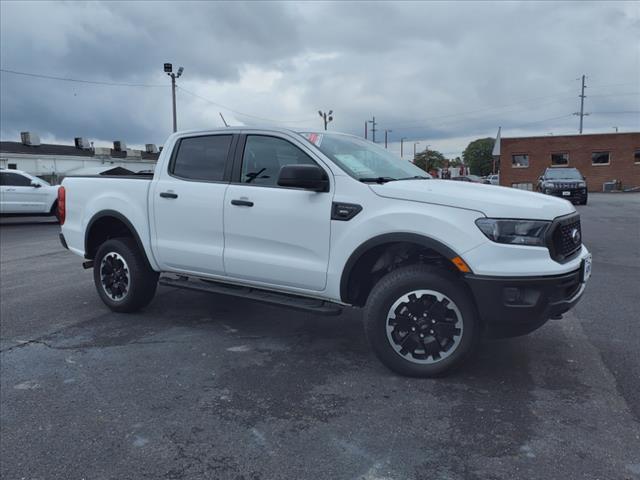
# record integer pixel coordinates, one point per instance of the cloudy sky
(441, 73)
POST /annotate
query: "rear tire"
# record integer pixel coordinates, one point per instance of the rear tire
(54, 211)
(122, 275)
(421, 321)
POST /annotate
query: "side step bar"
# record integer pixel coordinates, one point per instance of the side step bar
(317, 306)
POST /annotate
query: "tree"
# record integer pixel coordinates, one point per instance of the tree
(429, 160)
(477, 156)
(455, 162)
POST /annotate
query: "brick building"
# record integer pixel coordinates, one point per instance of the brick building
(599, 157)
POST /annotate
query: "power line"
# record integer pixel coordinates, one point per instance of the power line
(77, 80)
(542, 121)
(616, 113)
(238, 112)
(615, 94)
(481, 110)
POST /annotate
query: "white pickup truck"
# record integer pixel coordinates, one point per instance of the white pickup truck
(320, 221)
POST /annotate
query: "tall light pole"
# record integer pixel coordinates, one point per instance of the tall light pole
(402, 146)
(386, 133)
(414, 150)
(168, 69)
(326, 117)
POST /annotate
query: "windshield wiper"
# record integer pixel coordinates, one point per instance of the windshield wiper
(377, 179)
(415, 177)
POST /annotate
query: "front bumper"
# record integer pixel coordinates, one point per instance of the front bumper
(575, 195)
(513, 306)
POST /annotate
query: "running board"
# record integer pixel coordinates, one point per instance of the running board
(317, 306)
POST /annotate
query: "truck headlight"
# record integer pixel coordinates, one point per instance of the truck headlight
(547, 184)
(582, 184)
(518, 232)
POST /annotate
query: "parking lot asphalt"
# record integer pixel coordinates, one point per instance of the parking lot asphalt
(204, 386)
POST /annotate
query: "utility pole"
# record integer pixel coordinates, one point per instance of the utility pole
(402, 146)
(326, 117)
(373, 129)
(615, 128)
(386, 132)
(414, 150)
(582, 96)
(366, 129)
(168, 69)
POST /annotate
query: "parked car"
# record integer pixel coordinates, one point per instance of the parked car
(468, 178)
(24, 194)
(567, 183)
(493, 179)
(321, 221)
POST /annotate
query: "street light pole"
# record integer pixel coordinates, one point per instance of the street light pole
(168, 68)
(402, 146)
(414, 150)
(386, 132)
(326, 117)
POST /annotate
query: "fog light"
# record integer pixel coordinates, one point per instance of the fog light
(512, 295)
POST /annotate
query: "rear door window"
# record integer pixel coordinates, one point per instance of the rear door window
(202, 158)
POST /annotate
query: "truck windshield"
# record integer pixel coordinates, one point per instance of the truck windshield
(563, 173)
(364, 160)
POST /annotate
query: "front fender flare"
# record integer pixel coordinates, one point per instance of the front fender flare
(407, 237)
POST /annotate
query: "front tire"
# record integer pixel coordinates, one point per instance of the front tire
(421, 321)
(122, 275)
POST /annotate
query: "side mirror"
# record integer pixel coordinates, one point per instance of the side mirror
(35, 185)
(309, 177)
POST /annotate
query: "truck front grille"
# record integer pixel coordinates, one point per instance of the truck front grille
(565, 237)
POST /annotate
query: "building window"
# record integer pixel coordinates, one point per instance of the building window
(12, 166)
(521, 160)
(560, 159)
(523, 186)
(636, 156)
(600, 158)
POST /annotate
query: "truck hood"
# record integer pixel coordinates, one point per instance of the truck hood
(491, 200)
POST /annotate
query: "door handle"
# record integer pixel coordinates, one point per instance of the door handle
(242, 203)
(168, 195)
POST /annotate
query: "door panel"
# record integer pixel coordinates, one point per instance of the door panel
(188, 206)
(18, 196)
(275, 235)
(282, 239)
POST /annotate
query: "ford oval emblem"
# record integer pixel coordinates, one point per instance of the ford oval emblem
(575, 236)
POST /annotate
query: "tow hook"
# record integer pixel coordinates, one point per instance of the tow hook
(87, 265)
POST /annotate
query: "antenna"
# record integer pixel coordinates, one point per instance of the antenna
(223, 120)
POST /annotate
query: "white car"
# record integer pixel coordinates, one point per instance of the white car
(494, 179)
(320, 221)
(24, 194)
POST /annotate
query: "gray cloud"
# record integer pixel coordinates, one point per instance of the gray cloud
(432, 71)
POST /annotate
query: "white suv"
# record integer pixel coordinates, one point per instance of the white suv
(24, 194)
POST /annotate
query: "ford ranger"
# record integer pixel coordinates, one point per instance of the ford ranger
(323, 221)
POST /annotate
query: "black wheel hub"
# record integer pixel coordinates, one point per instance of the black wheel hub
(114, 275)
(424, 326)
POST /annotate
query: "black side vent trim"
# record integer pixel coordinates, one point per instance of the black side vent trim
(344, 211)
